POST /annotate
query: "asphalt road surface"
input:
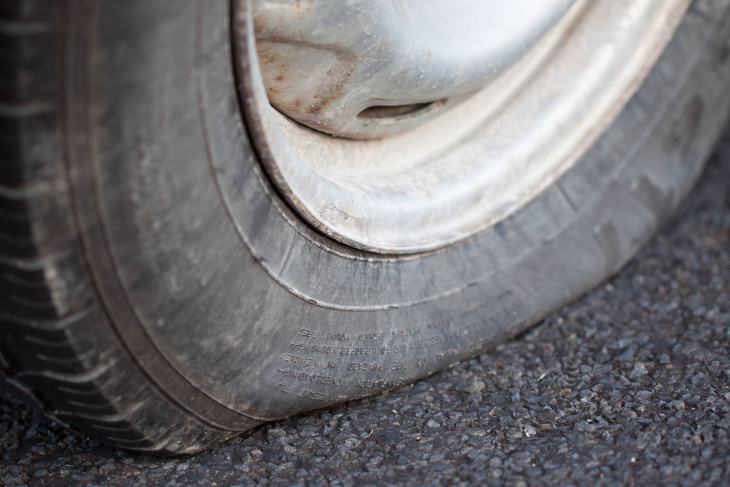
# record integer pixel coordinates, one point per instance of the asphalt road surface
(629, 385)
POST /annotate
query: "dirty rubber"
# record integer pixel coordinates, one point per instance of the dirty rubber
(628, 385)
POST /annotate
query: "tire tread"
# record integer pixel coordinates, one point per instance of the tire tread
(53, 353)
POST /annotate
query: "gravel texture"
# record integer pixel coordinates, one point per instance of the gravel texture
(629, 385)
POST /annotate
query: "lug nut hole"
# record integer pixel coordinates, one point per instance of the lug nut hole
(379, 112)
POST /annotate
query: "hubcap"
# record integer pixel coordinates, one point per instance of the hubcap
(471, 166)
(373, 68)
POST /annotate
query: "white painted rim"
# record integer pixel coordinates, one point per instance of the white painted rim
(474, 165)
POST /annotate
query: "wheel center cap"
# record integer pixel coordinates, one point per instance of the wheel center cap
(369, 69)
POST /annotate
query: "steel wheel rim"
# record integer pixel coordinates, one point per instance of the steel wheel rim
(474, 165)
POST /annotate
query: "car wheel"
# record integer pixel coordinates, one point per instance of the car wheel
(216, 214)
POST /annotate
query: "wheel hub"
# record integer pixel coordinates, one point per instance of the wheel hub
(370, 69)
